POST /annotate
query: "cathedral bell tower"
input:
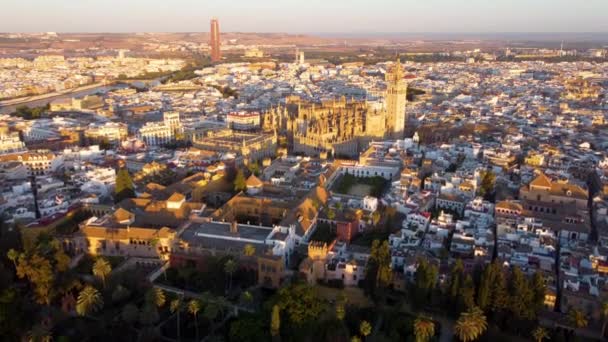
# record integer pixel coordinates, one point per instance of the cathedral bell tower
(395, 101)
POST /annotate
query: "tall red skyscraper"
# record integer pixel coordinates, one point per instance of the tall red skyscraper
(214, 41)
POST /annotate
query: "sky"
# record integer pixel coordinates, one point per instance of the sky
(305, 16)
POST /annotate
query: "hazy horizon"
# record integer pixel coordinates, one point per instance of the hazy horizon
(309, 17)
(540, 37)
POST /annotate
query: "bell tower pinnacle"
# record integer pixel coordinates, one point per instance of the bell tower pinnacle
(395, 101)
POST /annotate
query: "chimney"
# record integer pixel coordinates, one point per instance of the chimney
(234, 228)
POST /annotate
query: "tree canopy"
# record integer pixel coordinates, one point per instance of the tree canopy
(240, 184)
(300, 303)
(124, 185)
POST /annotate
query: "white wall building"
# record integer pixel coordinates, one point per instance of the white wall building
(11, 143)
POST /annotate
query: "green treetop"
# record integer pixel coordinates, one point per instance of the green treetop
(240, 184)
(124, 185)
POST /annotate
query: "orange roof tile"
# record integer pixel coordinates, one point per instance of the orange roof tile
(254, 181)
(176, 197)
(542, 181)
(121, 215)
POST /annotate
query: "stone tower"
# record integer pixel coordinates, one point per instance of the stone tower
(396, 100)
(214, 41)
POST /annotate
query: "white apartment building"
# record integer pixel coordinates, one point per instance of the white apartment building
(155, 133)
(112, 131)
(172, 120)
(158, 133)
(243, 121)
(38, 163)
(11, 143)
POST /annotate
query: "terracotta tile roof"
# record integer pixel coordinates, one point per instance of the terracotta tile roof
(509, 205)
(152, 213)
(466, 185)
(145, 195)
(304, 214)
(570, 190)
(558, 188)
(176, 197)
(154, 187)
(542, 181)
(121, 215)
(254, 181)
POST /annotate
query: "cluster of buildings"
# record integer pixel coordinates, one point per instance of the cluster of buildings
(55, 73)
(487, 161)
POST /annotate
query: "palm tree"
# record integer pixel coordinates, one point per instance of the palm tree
(194, 306)
(365, 328)
(424, 329)
(101, 269)
(211, 311)
(129, 313)
(470, 325)
(156, 296)
(39, 333)
(13, 255)
(275, 321)
(604, 311)
(578, 319)
(218, 306)
(340, 312)
(246, 298)
(331, 214)
(540, 334)
(148, 315)
(120, 293)
(175, 307)
(230, 268)
(341, 301)
(89, 301)
(249, 250)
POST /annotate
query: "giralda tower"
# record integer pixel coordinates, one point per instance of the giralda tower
(214, 41)
(396, 100)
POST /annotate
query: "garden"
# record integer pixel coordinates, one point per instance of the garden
(360, 186)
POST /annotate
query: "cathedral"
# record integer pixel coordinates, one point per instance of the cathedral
(340, 126)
